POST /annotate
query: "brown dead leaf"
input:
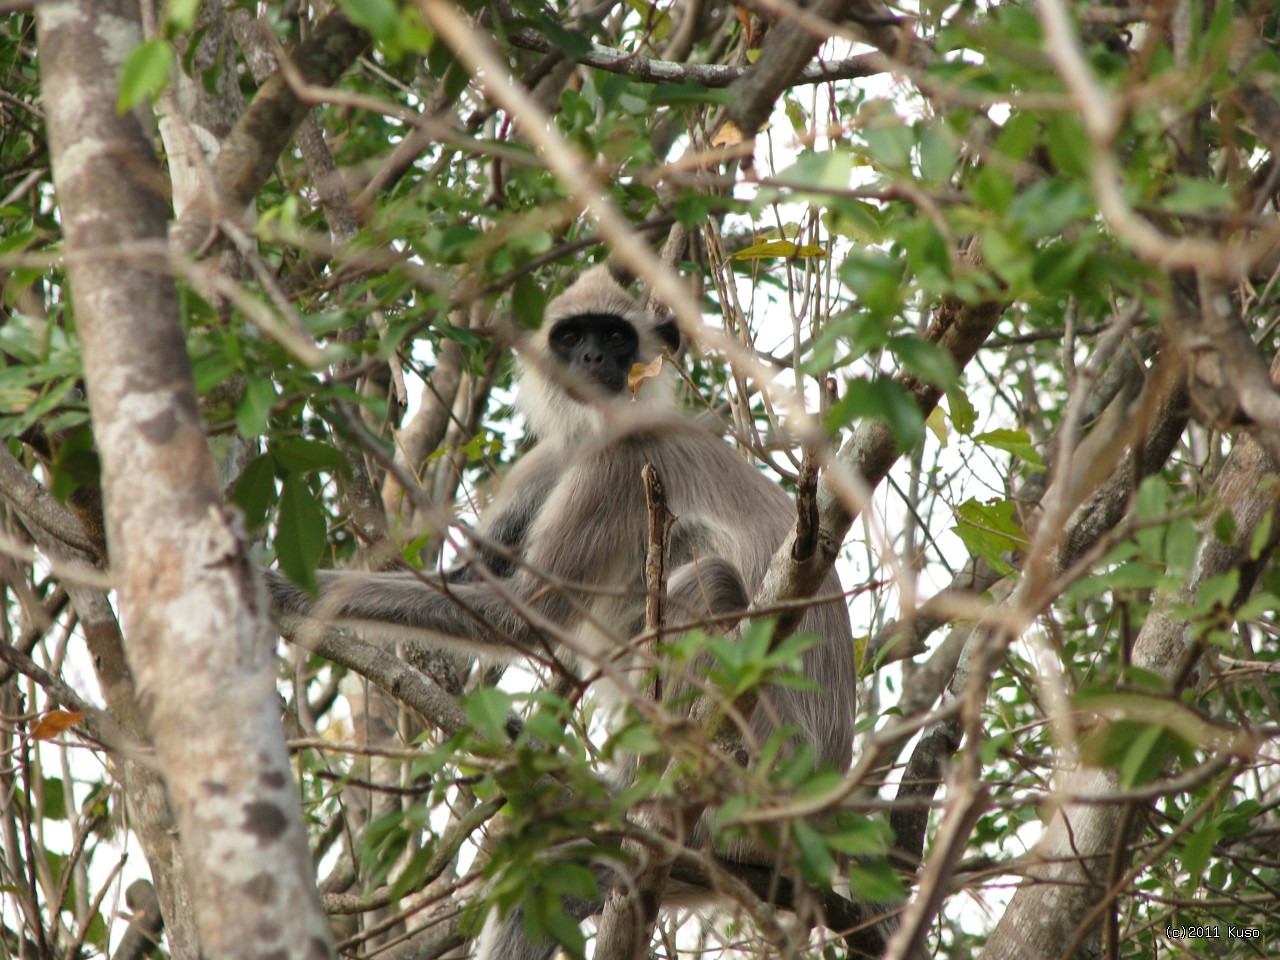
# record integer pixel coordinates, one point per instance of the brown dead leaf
(640, 372)
(727, 136)
(55, 722)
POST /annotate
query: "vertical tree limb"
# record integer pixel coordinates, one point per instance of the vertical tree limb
(194, 612)
(628, 918)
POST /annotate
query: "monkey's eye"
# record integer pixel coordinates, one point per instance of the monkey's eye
(615, 339)
(569, 338)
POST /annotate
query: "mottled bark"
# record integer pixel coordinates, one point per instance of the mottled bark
(198, 638)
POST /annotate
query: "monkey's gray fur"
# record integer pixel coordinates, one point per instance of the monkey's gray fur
(571, 514)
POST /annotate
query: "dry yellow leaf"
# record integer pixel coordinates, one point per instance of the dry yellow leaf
(55, 722)
(640, 372)
(727, 136)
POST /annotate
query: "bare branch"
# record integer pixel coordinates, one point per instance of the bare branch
(714, 75)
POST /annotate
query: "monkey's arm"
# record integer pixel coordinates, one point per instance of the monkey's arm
(474, 616)
(501, 536)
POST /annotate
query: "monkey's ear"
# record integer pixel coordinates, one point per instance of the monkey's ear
(670, 334)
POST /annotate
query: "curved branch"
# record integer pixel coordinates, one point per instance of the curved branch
(249, 153)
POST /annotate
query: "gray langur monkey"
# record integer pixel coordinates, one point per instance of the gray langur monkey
(563, 543)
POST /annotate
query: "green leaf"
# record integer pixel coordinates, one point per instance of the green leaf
(1151, 507)
(1152, 499)
(1008, 255)
(573, 880)
(828, 170)
(681, 94)
(255, 491)
(1144, 758)
(1018, 135)
(75, 463)
(96, 932)
(939, 154)
(296, 455)
(1134, 575)
(926, 360)
(875, 278)
(1261, 535)
(1197, 848)
(253, 416)
(1224, 527)
(693, 207)
(300, 537)
(181, 14)
(926, 252)
(412, 874)
(1217, 591)
(989, 530)
(1070, 147)
(55, 799)
(487, 711)
(1238, 821)
(875, 882)
(855, 219)
(993, 188)
(890, 146)
(145, 73)
(460, 335)
(1016, 442)
(1181, 542)
(813, 858)
(565, 931)
(885, 400)
(797, 115)
(529, 302)
(637, 740)
(1047, 207)
(571, 44)
(1258, 605)
(857, 836)
(1193, 195)
(379, 18)
(963, 413)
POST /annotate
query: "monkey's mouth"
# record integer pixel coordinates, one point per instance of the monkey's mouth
(609, 380)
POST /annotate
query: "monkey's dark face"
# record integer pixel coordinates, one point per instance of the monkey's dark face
(599, 348)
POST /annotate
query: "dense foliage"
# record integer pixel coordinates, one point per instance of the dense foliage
(1088, 498)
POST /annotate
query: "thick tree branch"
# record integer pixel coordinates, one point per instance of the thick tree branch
(249, 153)
(794, 40)
(400, 681)
(26, 494)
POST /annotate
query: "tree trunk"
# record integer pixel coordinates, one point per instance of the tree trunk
(192, 605)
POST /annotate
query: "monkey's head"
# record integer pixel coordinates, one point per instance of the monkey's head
(575, 367)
